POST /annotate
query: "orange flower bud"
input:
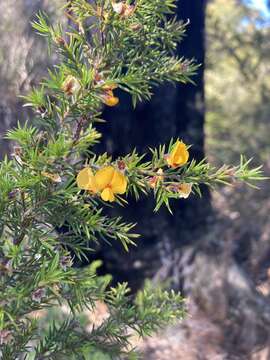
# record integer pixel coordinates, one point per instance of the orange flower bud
(153, 182)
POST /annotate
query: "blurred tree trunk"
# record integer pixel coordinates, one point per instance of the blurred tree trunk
(24, 59)
(173, 112)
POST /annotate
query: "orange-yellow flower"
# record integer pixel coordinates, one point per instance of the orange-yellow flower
(108, 181)
(185, 190)
(179, 155)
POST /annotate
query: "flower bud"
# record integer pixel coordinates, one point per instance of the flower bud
(153, 182)
(155, 179)
(185, 190)
(71, 85)
(121, 165)
(60, 41)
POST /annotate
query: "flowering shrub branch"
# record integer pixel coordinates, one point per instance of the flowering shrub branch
(56, 179)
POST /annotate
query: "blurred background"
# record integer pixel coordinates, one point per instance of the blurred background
(216, 250)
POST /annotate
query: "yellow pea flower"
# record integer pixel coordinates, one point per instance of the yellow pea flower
(86, 180)
(109, 182)
(179, 155)
(185, 190)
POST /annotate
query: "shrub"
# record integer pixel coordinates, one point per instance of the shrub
(56, 179)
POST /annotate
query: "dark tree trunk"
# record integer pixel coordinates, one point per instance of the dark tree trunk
(173, 112)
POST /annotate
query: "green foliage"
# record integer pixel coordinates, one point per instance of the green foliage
(47, 218)
(237, 82)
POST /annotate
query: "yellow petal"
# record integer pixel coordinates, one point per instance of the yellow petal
(86, 181)
(179, 155)
(92, 186)
(185, 190)
(107, 195)
(104, 177)
(110, 100)
(118, 183)
(170, 160)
